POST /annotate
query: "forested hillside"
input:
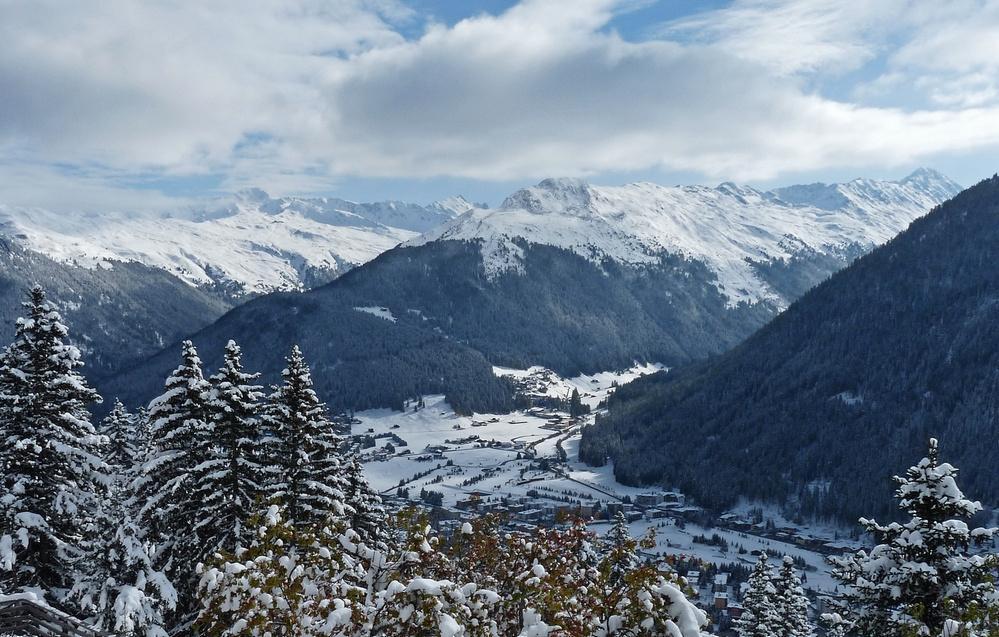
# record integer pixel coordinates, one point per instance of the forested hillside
(119, 313)
(445, 323)
(821, 404)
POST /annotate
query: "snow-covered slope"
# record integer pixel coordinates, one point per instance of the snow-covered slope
(248, 241)
(725, 227)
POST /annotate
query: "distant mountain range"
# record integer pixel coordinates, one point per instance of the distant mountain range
(118, 314)
(575, 277)
(246, 243)
(818, 408)
(738, 233)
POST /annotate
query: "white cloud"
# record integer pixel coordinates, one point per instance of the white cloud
(174, 84)
(797, 36)
(295, 94)
(507, 98)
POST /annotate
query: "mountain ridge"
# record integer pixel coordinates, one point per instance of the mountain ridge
(567, 311)
(900, 346)
(248, 242)
(729, 227)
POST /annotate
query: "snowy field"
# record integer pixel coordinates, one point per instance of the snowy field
(499, 455)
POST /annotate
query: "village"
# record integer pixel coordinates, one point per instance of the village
(522, 467)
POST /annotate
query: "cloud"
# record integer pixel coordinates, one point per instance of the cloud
(298, 94)
(175, 84)
(796, 36)
(506, 97)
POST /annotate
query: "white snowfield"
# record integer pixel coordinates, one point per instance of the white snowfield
(724, 227)
(248, 239)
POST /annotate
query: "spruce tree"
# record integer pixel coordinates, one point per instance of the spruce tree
(118, 584)
(237, 470)
(792, 604)
(622, 557)
(306, 451)
(368, 515)
(760, 617)
(921, 578)
(124, 448)
(180, 444)
(51, 474)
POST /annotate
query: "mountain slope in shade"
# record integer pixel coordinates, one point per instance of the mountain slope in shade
(842, 390)
(117, 314)
(249, 242)
(739, 233)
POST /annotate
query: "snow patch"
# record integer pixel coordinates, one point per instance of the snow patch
(380, 312)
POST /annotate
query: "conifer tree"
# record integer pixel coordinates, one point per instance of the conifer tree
(921, 579)
(118, 584)
(621, 554)
(369, 516)
(123, 448)
(236, 471)
(311, 482)
(792, 604)
(51, 474)
(760, 617)
(171, 512)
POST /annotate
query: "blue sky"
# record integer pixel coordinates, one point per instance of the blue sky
(122, 104)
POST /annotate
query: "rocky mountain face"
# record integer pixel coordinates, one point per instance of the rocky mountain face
(747, 238)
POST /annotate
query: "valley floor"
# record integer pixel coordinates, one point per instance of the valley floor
(525, 463)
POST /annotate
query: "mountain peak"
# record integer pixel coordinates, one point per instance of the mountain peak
(931, 180)
(452, 206)
(558, 195)
(254, 195)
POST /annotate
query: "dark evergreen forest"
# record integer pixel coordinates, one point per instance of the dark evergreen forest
(821, 406)
(453, 322)
(117, 315)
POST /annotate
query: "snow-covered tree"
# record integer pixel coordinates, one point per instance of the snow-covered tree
(483, 584)
(368, 517)
(791, 602)
(621, 550)
(170, 486)
(124, 448)
(922, 579)
(117, 583)
(760, 617)
(304, 447)
(51, 474)
(236, 471)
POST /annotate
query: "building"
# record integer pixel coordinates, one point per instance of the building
(650, 499)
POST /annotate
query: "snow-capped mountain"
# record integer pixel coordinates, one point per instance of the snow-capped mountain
(248, 242)
(574, 277)
(729, 228)
(896, 348)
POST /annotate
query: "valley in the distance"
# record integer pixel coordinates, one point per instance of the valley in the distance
(524, 466)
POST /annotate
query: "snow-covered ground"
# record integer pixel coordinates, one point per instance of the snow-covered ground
(499, 455)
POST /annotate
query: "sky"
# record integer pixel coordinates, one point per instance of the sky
(133, 104)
